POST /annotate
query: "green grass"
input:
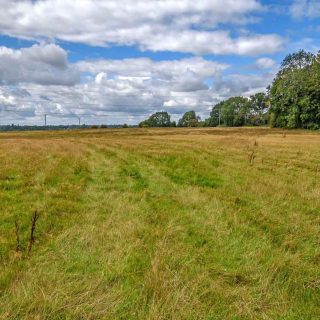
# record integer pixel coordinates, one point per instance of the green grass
(161, 224)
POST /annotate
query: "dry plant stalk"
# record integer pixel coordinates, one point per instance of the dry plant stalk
(34, 218)
(251, 157)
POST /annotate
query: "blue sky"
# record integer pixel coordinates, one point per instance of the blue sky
(119, 61)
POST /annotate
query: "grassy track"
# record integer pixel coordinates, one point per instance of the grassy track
(161, 224)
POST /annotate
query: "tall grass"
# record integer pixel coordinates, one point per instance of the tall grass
(160, 224)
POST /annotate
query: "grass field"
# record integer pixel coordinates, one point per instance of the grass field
(161, 224)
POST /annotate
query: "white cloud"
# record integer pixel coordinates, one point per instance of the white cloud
(125, 90)
(305, 8)
(264, 63)
(100, 77)
(43, 64)
(214, 42)
(241, 85)
(175, 25)
(144, 67)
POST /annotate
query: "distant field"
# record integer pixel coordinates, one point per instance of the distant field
(160, 224)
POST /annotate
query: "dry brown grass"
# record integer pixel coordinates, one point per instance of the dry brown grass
(161, 224)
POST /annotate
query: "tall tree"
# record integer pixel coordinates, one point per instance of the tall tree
(232, 112)
(295, 92)
(214, 118)
(297, 60)
(189, 119)
(158, 119)
(259, 105)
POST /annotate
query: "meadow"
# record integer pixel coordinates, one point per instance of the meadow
(160, 224)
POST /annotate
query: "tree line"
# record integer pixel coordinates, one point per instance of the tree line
(291, 101)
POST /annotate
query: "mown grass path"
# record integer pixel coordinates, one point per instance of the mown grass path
(161, 224)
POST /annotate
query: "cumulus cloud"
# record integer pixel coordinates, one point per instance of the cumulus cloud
(145, 67)
(44, 64)
(118, 91)
(305, 8)
(142, 86)
(264, 63)
(174, 25)
(126, 90)
(241, 85)
(214, 42)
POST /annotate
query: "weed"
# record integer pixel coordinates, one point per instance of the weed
(251, 157)
(34, 219)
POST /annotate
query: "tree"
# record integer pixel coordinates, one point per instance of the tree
(189, 119)
(297, 61)
(232, 112)
(259, 106)
(215, 116)
(236, 111)
(158, 119)
(295, 92)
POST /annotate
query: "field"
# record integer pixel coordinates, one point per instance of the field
(160, 224)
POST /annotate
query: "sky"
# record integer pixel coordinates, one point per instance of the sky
(119, 61)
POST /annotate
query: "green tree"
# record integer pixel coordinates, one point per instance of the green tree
(297, 61)
(232, 112)
(259, 106)
(158, 119)
(295, 92)
(189, 119)
(214, 117)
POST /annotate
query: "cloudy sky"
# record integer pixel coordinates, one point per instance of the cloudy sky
(118, 61)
